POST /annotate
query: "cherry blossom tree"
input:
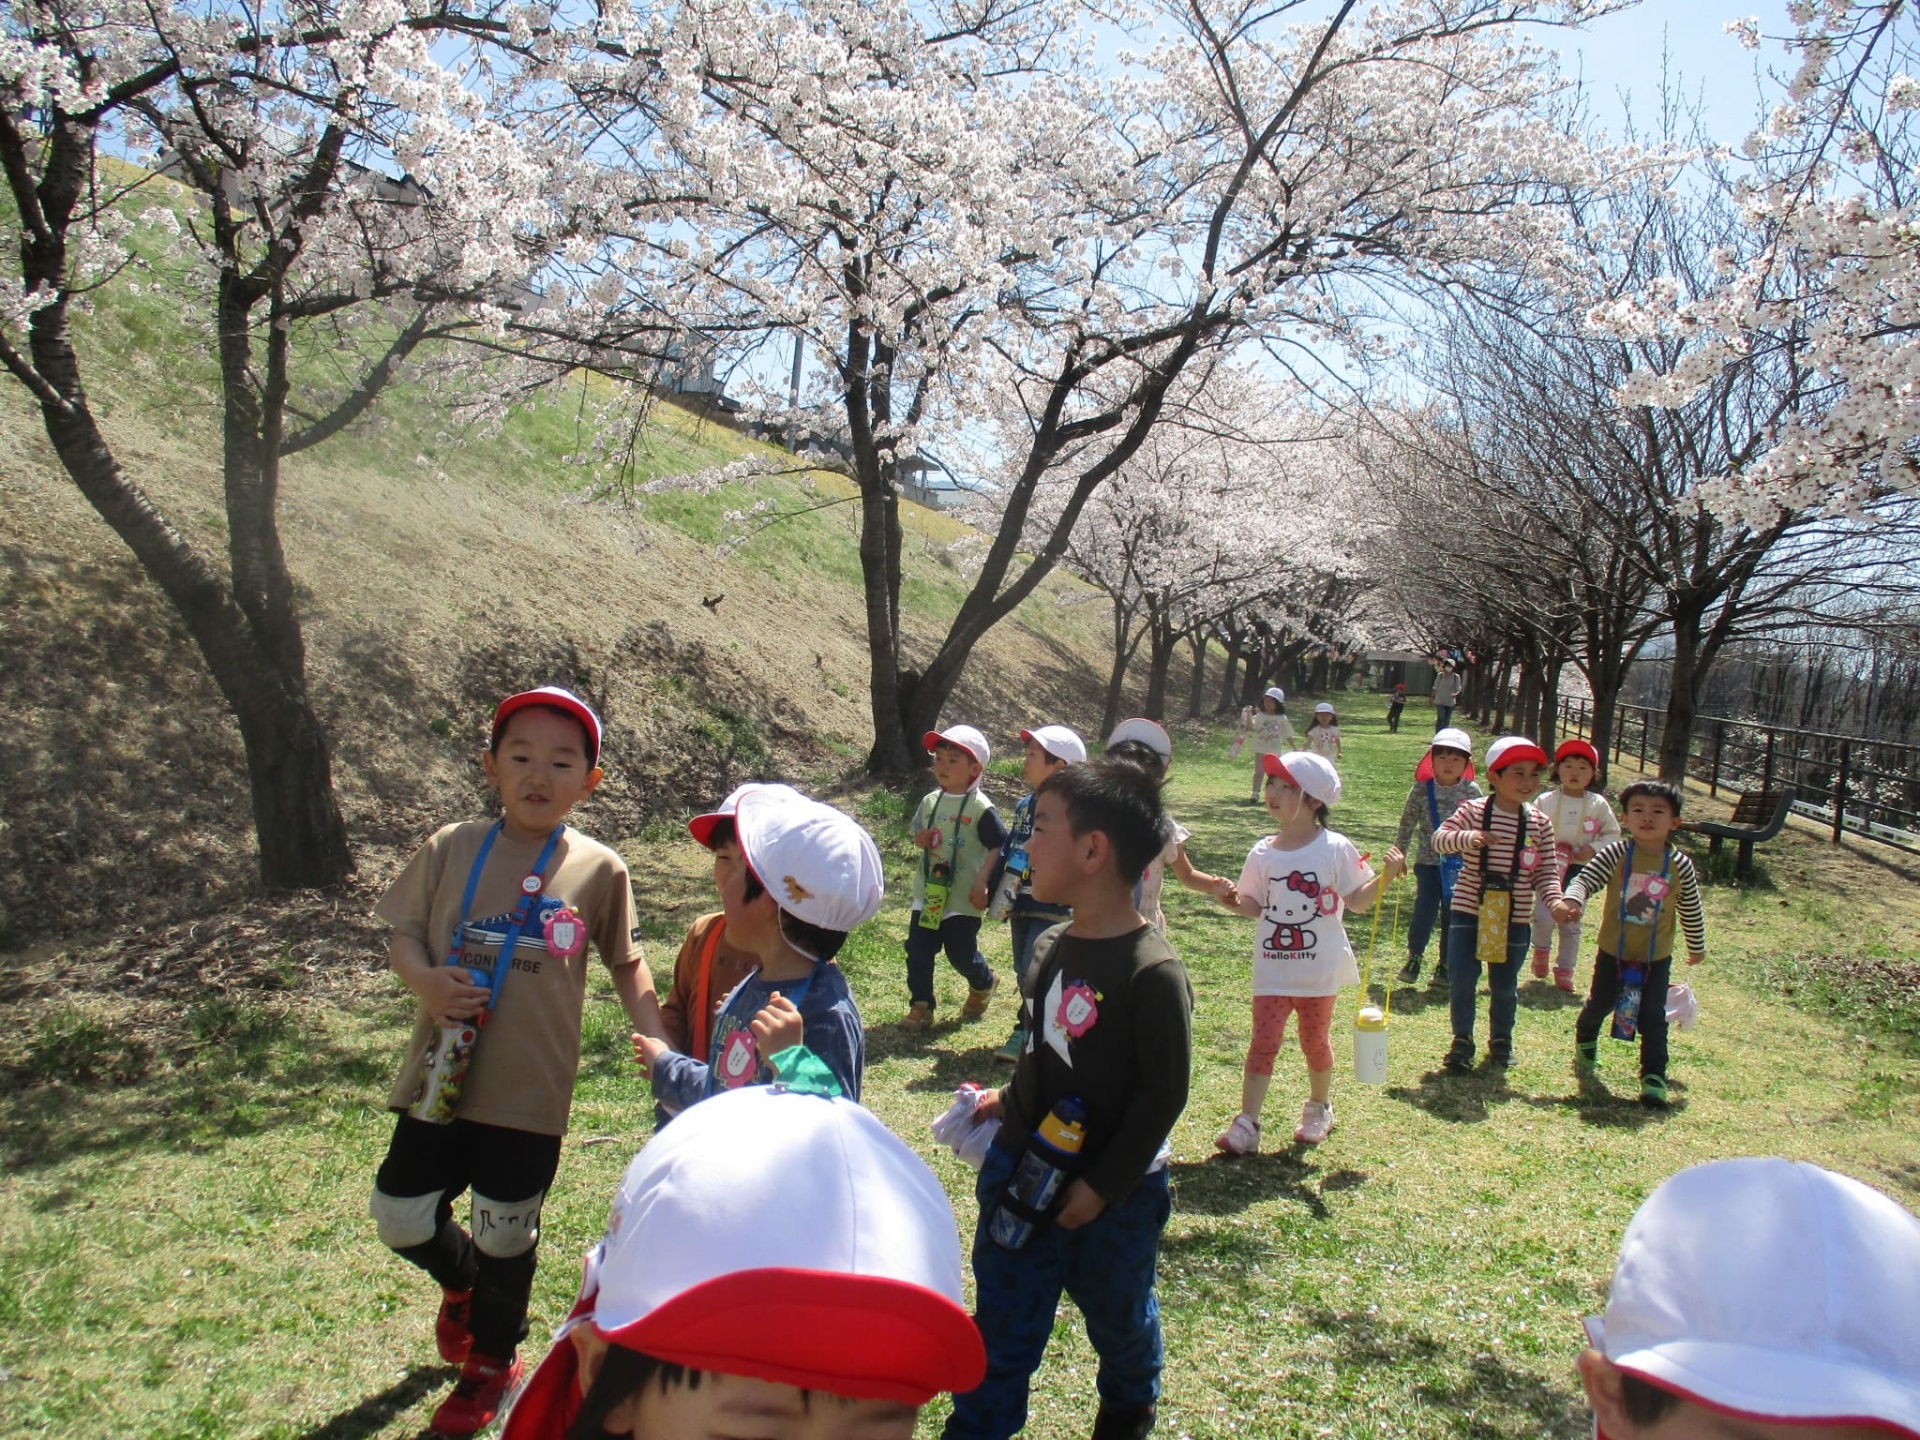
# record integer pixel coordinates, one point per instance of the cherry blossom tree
(362, 178)
(945, 200)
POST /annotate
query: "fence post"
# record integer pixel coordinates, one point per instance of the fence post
(1719, 739)
(1646, 725)
(1619, 730)
(1840, 791)
(1766, 765)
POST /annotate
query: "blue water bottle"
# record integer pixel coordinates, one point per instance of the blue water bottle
(1043, 1170)
(1626, 1010)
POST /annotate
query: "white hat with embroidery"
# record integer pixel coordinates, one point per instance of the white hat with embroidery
(1312, 774)
(817, 863)
(965, 736)
(1059, 742)
(701, 826)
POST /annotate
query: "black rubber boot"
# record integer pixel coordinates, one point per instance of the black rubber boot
(1123, 1422)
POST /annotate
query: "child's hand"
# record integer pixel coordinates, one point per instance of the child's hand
(1565, 911)
(1479, 839)
(977, 897)
(1583, 853)
(992, 1105)
(926, 839)
(1395, 865)
(1083, 1206)
(647, 1051)
(1694, 957)
(777, 1026)
(1228, 895)
(449, 993)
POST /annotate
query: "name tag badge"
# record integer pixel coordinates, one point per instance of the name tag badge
(566, 937)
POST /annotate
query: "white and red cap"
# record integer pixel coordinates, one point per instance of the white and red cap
(817, 863)
(1312, 774)
(1449, 738)
(1275, 694)
(965, 736)
(787, 1237)
(1148, 732)
(1511, 750)
(1772, 1289)
(1059, 742)
(701, 826)
(1577, 749)
(554, 698)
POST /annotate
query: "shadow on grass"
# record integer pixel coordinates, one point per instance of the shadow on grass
(1415, 999)
(1545, 995)
(1594, 1104)
(235, 1085)
(1457, 1099)
(373, 1414)
(1228, 1184)
(951, 1068)
(1499, 1399)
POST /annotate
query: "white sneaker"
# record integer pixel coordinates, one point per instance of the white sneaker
(1316, 1120)
(1242, 1137)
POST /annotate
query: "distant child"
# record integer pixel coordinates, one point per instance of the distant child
(1146, 744)
(1446, 694)
(1442, 783)
(1299, 882)
(1398, 703)
(1582, 822)
(957, 832)
(807, 875)
(1649, 883)
(491, 922)
(1109, 1014)
(1323, 735)
(1760, 1299)
(1270, 730)
(1505, 839)
(1047, 749)
(776, 1264)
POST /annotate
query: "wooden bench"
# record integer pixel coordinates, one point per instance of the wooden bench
(1756, 819)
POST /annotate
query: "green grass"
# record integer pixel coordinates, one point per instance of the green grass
(185, 1250)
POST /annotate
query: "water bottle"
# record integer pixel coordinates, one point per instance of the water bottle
(443, 1068)
(1043, 1170)
(1626, 1010)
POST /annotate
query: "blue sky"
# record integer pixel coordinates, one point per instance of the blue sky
(1621, 56)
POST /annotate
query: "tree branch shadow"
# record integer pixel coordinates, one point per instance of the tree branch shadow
(1229, 1184)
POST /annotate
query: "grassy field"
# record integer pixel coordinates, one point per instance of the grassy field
(184, 1249)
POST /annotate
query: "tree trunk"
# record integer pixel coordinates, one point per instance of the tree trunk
(1197, 682)
(1125, 640)
(1683, 698)
(1161, 643)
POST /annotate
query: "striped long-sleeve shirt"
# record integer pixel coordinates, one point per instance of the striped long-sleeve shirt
(1660, 891)
(1531, 876)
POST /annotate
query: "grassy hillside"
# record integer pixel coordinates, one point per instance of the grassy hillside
(437, 569)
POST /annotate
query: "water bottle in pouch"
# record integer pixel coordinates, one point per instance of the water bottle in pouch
(939, 883)
(1040, 1176)
(443, 1067)
(1626, 1010)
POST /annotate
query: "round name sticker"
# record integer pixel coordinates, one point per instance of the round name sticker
(566, 937)
(531, 885)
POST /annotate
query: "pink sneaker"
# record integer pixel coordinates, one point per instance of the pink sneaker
(1242, 1137)
(1563, 980)
(1316, 1122)
(1540, 958)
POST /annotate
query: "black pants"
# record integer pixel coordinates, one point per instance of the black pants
(1393, 715)
(1598, 1010)
(959, 936)
(512, 1169)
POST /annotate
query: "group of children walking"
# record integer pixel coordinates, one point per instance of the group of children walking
(492, 922)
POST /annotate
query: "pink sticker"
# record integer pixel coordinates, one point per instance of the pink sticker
(1657, 888)
(739, 1060)
(1329, 900)
(1529, 858)
(1591, 824)
(1079, 1008)
(566, 936)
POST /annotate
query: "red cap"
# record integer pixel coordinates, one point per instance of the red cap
(1578, 749)
(554, 698)
(1511, 750)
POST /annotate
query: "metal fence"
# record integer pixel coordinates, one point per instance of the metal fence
(1849, 783)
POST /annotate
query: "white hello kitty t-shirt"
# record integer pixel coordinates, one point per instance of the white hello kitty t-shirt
(1302, 947)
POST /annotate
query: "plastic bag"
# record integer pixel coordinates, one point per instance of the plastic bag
(1683, 1008)
(960, 1132)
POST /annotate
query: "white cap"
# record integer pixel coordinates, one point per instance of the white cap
(1774, 1289)
(1059, 742)
(1452, 739)
(1325, 707)
(701, 826)
(787, 1237)
(1147, 732)
(1276, 694)
(817, 863)
(1511, 750)
(1313, 774)
(965, 736)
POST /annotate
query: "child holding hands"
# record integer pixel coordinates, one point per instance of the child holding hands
(1582, 822)
(1299, 882)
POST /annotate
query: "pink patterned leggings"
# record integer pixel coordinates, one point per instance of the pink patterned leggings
(1270, 1029)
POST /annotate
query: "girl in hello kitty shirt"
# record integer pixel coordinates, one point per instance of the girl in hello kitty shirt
(1299, 882)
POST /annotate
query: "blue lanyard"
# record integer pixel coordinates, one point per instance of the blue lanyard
(522, 910)
(1653, 920)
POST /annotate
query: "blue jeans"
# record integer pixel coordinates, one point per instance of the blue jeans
(1463, 980)
(959, 936)
(1106, 1268)
(1426, 910)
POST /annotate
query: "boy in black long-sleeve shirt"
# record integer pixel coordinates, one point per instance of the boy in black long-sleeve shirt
(1109, 1013)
